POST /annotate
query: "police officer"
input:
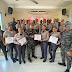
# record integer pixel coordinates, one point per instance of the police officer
(53, 47)
(23, 25)
(21, 49)
(2, 46)
(62, 27)
(10, 33)
(66, 42)
(18, 25)
(44, 43)
(36, 25)
(28, 24)
(49, 26)
(13, 23)
(29, 34)
(44, 22)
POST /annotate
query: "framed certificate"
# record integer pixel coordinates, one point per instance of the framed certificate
(53, 39)
(9, 40)
(37, 37)
(22, 41)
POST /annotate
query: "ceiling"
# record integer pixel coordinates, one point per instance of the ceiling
(48, 5)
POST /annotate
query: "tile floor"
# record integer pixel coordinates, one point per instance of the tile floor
(36, 66)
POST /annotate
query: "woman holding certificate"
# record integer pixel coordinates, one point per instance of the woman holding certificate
(20, 40)
(55, 38)
(44, 44)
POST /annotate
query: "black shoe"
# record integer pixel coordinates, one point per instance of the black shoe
(41, 57)
(14, 61)
(62, 64)
(24, 62)
(51, 61)
(67, 70)
(44, 60)
(50, 58)
(19, 62)
(34, 56)
(29, 59)
(6, 59)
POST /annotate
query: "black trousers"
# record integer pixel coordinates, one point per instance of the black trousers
(21, 52)
(3, 49)
(11, 47)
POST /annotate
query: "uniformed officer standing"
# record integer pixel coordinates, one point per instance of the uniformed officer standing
(49, 26)
(23, 25)
(2, 45)
(18, 25)
(62, 27)
(69, 59)
(10, 33)
(44, 22)
(36, 25)
(21, 49)
(29, 34)
(44, 43)
(53, 47)
(28, 24)
(66, 43)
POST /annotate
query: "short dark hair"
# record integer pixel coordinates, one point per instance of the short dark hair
(10, 25)
(44, 25)
(54, 27)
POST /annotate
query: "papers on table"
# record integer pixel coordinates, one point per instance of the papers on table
(53, 39)
(37, 37)
(9, 40)
(22, 41)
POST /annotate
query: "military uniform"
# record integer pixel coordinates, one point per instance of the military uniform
(27, 26)
(61, 27)
(21, 49)
(12, 45)
(30, 41)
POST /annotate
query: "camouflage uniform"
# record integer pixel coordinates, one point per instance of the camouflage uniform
(30, 41)
(65, 43)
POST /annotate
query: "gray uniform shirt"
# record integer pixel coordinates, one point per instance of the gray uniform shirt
(45, 35)
(17, 37)
(61, 27)
(18, 26)
(49, 26)
(27, 26)
(9, 33)
(57, 35)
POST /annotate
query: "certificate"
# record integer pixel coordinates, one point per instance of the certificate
(22, 41)
(9, 40)
(37, 37)
(53, 39)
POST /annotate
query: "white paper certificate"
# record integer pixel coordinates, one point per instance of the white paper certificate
(22, 41)
(9, 40)
(53, 39)
(37, 37)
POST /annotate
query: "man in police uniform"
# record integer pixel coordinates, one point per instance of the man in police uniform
(10, 33)
(29, 34)
(66, 44)
(2, 45)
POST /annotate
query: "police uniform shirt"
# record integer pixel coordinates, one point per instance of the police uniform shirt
(61, 27)
(17, 37)
(9, 33)
(45, 35)
(55, 25)
(23, 26)
(36, 26)
(49, 26)
(57, 35)
(27, 26)
(18, 26)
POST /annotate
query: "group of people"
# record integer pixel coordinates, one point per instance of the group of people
(21, 28)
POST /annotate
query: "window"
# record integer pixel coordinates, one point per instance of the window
(1, 21)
